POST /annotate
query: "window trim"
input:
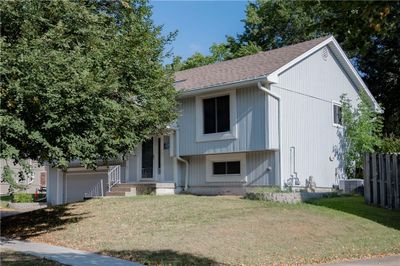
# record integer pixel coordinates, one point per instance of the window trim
(228, 178)
(335, 103)
(231, 134)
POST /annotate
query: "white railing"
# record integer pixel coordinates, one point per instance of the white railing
(96, 191)
(114, 176)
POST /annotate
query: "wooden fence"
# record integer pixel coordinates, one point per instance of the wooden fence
(382, 180)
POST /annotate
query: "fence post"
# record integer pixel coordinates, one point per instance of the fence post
(396, 177)
(367, 179)
(389, 190)
(382, 180)
(102, 187)
(374, 180)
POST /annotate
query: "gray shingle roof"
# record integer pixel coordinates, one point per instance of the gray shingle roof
(243, 68)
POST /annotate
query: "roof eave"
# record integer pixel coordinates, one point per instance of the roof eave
(223, 86)
(333, 44)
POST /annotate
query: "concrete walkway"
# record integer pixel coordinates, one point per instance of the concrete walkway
(386, 261)
(63, 255)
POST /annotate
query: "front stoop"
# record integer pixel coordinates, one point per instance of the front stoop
(133, 189)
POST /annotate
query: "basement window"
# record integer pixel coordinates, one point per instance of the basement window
(226, 168)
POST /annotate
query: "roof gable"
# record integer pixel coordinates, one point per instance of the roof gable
(243, 68)
(263, 66)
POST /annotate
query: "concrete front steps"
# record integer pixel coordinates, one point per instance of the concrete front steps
(143, 188)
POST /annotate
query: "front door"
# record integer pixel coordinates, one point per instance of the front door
(147, 159)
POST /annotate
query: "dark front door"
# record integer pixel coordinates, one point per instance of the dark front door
(147, 159)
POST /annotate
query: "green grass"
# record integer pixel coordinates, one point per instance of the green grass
(189, 230)
(355, 205)
(12, 258)
(4, 200)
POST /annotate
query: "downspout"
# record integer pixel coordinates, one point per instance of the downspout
(278, 98)
(181, 159)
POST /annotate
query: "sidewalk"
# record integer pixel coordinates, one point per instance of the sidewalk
(386, 261)
(63, 255)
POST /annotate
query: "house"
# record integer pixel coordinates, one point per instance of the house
(268, 119)
(37, 181)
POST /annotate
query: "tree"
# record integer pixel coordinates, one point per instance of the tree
(362, 132)
(219, 52)
(81, 80)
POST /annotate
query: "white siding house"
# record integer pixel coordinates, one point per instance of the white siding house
(259, 120)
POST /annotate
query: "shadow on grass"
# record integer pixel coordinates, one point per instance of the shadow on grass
(355, 205)
(160, 257)
(34, 223)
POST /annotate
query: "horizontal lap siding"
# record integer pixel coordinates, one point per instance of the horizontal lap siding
(250, 120)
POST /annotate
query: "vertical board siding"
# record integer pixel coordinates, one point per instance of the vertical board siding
(307, 91)
(257, 164)
(250, 120)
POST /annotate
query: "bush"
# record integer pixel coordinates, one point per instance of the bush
(23, 198)
(390, 145)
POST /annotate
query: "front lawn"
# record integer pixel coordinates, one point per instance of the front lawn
(188, 229)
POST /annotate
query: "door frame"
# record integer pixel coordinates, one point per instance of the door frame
(157, 176)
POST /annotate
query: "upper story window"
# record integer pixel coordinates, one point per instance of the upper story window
(216, 117)
(216, 114)
(337, 114)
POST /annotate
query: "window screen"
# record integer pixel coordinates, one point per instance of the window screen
(216, 114)
(226, 168)
(337, 114)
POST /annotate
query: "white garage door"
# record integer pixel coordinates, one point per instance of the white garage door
(77, 184)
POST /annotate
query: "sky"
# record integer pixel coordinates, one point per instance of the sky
(199, 23)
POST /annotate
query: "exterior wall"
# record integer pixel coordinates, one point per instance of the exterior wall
(307, 91)
(250, 121)
(37, 172)
(260, 171)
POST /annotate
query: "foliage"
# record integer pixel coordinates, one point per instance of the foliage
(369, 31)
(219, 52)
(390, 145)
(22, 198)
(81, 80)
(362, 131)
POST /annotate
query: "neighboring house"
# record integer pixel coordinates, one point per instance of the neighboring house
(269, 119)
(37, 181)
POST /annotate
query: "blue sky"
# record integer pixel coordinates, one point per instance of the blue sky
(199, 23)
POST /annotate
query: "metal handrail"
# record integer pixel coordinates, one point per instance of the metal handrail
(96, 191)
(114, 176)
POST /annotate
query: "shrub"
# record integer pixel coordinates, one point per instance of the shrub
(390, 144)
(22, 198)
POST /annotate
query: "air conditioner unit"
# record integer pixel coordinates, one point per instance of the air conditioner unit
(349, 186)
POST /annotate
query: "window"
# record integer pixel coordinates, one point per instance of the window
(226, 168)
(216, 114)
(337, 114)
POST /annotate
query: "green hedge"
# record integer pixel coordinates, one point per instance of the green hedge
(25, 197)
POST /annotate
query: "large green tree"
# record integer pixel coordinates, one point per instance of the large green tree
(80, 80)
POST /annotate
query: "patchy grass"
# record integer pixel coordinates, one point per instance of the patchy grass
(4, 200)
(188, 230)
(12, 258)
